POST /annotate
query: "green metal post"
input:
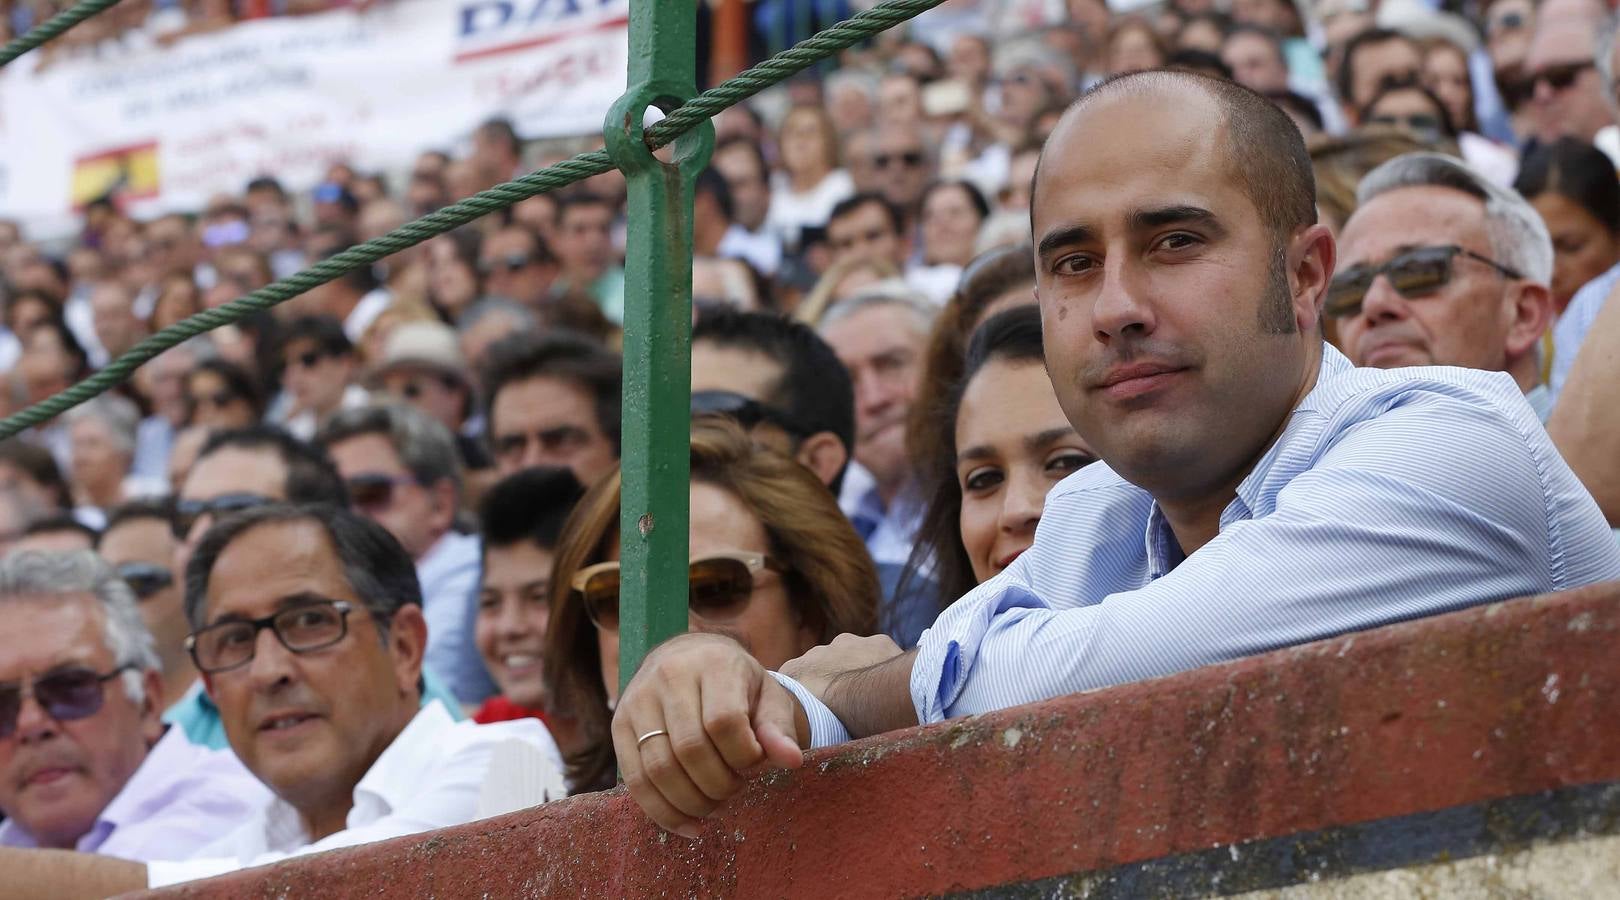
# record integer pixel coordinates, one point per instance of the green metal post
(657, 327)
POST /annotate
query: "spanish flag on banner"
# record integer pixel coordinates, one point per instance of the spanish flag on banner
(131, 172)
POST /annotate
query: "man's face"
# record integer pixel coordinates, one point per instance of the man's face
(1375, 64)
(748, 373)
(114, 320)
(513, 612)
(98, 460)
(512, 267)
(316, 380)
(549, 422)
(151, 542)
(57, 776)
(1567, 93)
(229, 470)
(865, 232)
(309, 724)
(750, 194)
(1467, 322)
(1256, 63)
(1165, 304)
(585, 240)
(902, 165)
(881, 346)
(415, 515)
(429, 391)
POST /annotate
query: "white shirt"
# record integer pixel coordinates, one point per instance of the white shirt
(790, 212)
(429, 777)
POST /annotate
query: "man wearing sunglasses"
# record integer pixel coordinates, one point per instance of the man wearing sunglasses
(1257, 490)
(1567, 95)
(308, 631)
(402, 472)
(318, 375)
(781, 382)
(517, 265)
(1438, 266)
(139, 544)
(84, 762)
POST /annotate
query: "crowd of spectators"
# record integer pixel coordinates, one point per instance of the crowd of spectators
(409, 475)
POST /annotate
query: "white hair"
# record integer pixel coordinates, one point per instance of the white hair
(32, 574)
(119, 414)
(885, 293)
(1518, 236)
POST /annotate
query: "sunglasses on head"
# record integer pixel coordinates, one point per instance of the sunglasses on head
(374, 490)
(187, 512)
(1414, 273)
(65, 695)
(746, 411)
(145, 579)
(911, 159)
(1560, 77)
(719, 587)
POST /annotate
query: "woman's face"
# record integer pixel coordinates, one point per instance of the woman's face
(177, 301)
(804, 145)
(950, 227)
(1445, 73)
(1013, 444)
(1582, 248)
(214, 405)
(452, 283)
(766, 624)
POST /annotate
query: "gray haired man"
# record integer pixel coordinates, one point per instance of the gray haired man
(403, 471)
(84, 762)
(1439, 266)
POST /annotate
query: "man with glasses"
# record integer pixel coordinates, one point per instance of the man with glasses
(1439, 266)
(1257, 490)
(402, 472)
(318, 374)
(84, 762)
(140, 544)
(1567, 96)
(516, 264)
(904, 168)
(779, 380)
(308, 631)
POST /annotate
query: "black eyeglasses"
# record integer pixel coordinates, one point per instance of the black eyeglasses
(65, 695)
(1559, 77)
(1413, 274)
(187, 512)
(511, 262)
(303, 628)
(374, 490)
(145, 579)
(217, 399)
(747, 412)
(911, 159)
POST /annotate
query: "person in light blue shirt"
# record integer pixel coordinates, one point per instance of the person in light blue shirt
(1256, 490)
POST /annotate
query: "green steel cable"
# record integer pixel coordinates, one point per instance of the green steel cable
(790, 61)
(51, 28)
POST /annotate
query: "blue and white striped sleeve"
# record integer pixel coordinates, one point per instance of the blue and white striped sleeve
(825, 729)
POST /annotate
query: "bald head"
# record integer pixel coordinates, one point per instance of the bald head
(1262, 148)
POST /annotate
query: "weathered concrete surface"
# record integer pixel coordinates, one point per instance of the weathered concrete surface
(1499, 701)
(1588, 869)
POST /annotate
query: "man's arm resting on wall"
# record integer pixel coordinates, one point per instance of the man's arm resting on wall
(66, 875)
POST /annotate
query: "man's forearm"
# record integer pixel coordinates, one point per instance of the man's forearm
(874, 699)
(65, 875)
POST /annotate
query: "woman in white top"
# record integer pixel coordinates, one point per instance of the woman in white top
(810, 183)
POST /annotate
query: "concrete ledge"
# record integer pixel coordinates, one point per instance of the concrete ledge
(1517, 701)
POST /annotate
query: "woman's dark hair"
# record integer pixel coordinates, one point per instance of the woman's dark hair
(974, 195)
(70, 344)
(237, 381)
(39, 465)
(531, 505)
(1578, 171)
(1012, 335)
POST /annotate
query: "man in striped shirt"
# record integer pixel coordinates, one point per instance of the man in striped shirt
(1258, 491)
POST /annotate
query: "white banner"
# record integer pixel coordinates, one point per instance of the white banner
(288, 97)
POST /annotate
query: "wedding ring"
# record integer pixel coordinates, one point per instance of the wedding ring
(650, 735)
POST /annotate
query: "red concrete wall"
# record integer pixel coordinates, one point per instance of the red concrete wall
(1499, 701)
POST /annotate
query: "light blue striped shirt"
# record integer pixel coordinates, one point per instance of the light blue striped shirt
(1391, 495)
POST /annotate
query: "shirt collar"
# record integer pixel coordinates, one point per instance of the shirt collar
(1164, 552)
(391, 781)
